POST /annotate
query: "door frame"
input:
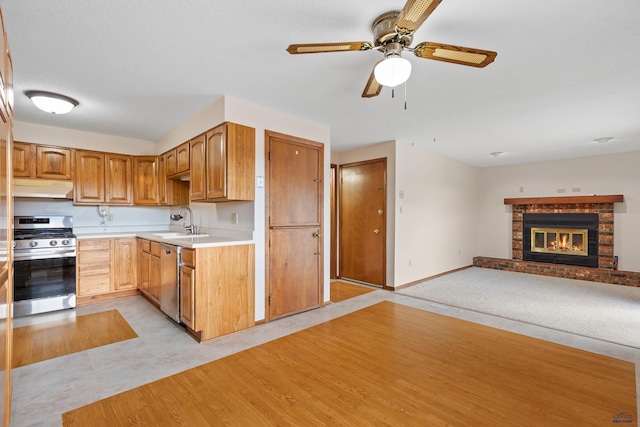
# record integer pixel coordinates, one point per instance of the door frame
(382, 160)
(268, 134)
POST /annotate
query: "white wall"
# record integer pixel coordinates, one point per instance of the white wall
(86, 219)
(49, 135)
(436, 220)
(603, 175)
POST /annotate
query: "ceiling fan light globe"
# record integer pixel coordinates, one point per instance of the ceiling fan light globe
(392, 71)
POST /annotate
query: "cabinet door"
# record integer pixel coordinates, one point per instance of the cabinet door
(182, 157)
(88, 186)
(171, 162)
(198, 168)
(145, 190)
(216, 155)
(143, 270)
(124, 264)
(53, 162)
(187, 296)
(162, 179)
(24, 160)
(118, 180)
(154, 278)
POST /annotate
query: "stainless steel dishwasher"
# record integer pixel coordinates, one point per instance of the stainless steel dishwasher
(169, 281)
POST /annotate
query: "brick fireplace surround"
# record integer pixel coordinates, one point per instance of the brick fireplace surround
(602, 205)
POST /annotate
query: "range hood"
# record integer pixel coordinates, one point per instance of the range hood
(43, 188)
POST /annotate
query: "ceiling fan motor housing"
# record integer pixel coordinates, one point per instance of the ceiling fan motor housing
(384, 30)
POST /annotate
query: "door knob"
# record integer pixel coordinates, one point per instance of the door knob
(376, 231)
(317, 234)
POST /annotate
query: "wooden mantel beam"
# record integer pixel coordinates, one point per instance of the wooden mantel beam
(560, 200)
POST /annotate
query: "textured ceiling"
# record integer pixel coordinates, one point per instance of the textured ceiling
(567, 71)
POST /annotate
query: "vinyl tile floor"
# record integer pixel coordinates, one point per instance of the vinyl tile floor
(44, 390)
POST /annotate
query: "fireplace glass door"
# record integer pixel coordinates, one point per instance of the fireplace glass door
(565, 241)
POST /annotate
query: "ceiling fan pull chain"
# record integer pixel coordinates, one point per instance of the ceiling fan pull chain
(405, 96)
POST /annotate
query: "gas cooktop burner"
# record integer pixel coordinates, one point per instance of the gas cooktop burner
(50, 235)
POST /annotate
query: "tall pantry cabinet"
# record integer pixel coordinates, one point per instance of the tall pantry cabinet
(6, 221)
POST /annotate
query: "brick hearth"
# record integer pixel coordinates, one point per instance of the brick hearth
(606, 271)
(614, 277)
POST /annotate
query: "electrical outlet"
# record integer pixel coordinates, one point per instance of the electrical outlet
(234, 218)
(110, 217)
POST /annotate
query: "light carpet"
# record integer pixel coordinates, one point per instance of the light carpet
(596, 310)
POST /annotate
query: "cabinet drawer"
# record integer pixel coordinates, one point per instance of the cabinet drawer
(85, 258)
(145, 245)
(93, 285)
(93, 269)
(188, 257)
(94, 245)
(155, 248)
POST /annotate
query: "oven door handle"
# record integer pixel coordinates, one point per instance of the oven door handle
(43, 254)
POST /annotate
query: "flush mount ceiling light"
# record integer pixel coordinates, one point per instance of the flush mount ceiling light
(53, 103)
(393, 70)
(603, 140)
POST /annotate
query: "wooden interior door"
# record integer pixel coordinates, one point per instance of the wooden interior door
(362, 218)
(294, 225)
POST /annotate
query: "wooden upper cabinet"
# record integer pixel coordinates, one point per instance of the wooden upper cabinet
(88, 186)
(53, 162)
(198, 168)
(24, 160)
(41, 161)
(183, 157)
(223, 164)
(118, 179)
(162, 179)
(172, 192)
(216, 163)
(145, 180)
(171, 162)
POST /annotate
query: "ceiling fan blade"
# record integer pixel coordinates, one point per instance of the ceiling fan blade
(455, 54)
(372, 88)
(295, 49)
(414, 13)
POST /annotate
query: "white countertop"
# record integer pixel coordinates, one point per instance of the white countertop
(194, 241)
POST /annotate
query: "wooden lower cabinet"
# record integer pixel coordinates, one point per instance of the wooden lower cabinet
(218, 291)
(144, 258)
(154, 272)
(187, 300)
(105, 269)
(149, 269)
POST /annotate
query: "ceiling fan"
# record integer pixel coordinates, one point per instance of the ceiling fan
(393, 33)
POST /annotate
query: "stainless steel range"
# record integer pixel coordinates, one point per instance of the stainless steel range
(44, 254)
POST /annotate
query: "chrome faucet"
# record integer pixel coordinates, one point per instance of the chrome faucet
(193, 229)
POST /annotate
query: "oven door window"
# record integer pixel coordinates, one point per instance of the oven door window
(44, 278)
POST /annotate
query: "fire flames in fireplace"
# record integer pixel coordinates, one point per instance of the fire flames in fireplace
(553, 240)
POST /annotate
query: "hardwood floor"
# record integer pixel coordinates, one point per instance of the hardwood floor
(341, 291)
(386, 364)
(36, 343)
